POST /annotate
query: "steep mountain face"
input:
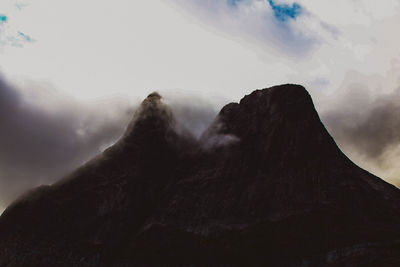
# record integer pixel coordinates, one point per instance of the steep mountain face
(265, 185)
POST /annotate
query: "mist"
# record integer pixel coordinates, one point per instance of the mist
(46, 134)
(364, 119)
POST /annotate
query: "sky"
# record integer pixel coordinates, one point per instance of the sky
(72, 73)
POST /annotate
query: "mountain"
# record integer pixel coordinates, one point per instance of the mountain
(265, 185)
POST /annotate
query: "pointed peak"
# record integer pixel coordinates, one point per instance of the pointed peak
(152, 106)
(151, 115)
(154, 96)
(153, 100)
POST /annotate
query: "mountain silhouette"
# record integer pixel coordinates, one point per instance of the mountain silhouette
(265, 185)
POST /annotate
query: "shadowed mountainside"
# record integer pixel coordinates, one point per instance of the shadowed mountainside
(264, 185)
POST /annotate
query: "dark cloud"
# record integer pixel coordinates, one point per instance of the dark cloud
(366, 125)
(45, 135)
(40, 142)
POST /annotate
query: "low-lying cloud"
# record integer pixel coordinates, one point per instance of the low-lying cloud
(193, 112)
(45, 135)
(213, 138)
(365, 122)
(370, 125)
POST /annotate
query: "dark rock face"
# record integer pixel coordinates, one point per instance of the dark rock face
(265, 185)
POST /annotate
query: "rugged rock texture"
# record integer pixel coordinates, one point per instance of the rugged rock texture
(265, 185)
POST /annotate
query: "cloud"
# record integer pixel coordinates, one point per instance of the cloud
(193, 117)
(246, 47)
(270, 23)
(197, 115)
(318, 47)
(212, 138)
(363, 117)
(45, 135)
(193, 112)
(370, 124)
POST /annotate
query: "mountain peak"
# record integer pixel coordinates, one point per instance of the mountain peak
(153, 107)
(154, 95)
(276, 117)
(152, 116)
(284, 93)
(278, 99)
(269, 101)
(279, 193)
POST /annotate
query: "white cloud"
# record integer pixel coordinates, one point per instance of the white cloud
(95, 48)
(130, 48)
(344, 35)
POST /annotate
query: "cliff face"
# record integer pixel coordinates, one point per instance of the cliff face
(265, 185)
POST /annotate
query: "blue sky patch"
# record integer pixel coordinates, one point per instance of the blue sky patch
(283, 12)
(233, 2)
(3, 18)
(25, 37)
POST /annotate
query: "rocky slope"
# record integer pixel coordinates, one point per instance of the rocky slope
(265, 185)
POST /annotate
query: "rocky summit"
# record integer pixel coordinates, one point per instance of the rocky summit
(265, 185)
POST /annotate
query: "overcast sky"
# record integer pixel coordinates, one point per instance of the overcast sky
(86, 64)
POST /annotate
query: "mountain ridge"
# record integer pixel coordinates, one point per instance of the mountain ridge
(264, 185)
